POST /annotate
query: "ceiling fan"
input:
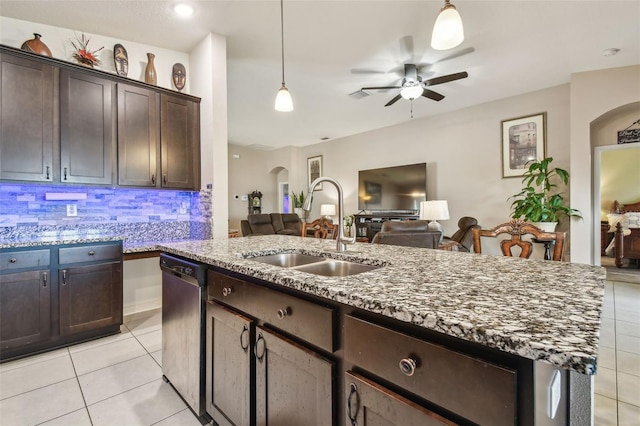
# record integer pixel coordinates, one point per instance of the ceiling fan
(413, 86)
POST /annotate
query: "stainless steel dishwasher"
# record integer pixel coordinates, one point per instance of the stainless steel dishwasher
(183, 348)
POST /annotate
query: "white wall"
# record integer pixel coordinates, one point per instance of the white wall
(209, 63)
(593, 94)
(14, 32)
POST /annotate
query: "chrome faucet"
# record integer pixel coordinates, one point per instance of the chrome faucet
(342, 240)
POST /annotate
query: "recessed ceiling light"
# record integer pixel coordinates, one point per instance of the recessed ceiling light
(611, 51)
(183, 10)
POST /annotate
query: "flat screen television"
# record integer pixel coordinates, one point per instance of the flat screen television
(398, 189)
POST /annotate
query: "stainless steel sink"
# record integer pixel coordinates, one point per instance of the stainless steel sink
(335, 268)
(288, 260)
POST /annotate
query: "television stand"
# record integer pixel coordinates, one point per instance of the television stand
(369, 224)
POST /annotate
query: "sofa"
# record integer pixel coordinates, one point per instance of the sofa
(271, 224)
(410, 233)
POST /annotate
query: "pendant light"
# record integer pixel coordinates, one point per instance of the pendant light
(447, 31)
(284, 103)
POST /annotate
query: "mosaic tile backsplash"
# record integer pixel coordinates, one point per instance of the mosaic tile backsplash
(139, 214)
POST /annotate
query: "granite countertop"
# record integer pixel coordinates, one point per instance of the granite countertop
(58, 239)
(541, 310)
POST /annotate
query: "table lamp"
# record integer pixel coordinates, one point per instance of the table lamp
(433, 211)
(328, 210)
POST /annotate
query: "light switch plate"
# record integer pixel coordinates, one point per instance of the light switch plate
(72, 210)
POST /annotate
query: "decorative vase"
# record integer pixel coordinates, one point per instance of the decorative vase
(36, 45)
(150, 75)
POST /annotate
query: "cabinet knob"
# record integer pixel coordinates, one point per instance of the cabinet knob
(226, 291)
(283, 312)
(91, 253)
(408, 366)
(13, 260)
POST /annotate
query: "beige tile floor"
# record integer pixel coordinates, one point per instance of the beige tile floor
(117, 380)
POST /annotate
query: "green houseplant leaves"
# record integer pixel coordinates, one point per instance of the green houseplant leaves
(539, 200)
(298, 200)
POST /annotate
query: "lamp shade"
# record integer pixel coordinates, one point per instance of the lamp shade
(447, 31)
(284, 103)
(328, 210)
(411, 92)
(434, 210)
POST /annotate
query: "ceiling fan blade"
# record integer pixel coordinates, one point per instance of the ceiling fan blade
(394, 100)
(381, 88)
(432, 95)
(446, 78)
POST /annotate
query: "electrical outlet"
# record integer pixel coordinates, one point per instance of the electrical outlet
(72, 210)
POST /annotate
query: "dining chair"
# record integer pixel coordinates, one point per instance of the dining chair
(517, 228)
(321, 228)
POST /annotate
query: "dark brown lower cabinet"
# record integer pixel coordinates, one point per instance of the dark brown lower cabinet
(230, 367)
(293, 383)
(25, 313)
(90, 297)
(52, 296)
(370, 404)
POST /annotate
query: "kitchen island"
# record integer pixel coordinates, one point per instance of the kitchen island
(534, 318)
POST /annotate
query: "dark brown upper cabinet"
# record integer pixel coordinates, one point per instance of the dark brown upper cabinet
(138, 136)
(27, 117)
(180, 143)
(64, 123)
(87, 123)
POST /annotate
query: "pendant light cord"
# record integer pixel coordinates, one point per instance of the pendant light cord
(282, 36)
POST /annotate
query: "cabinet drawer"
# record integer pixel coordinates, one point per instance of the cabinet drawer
(90, 253)
(482, 392)
(25, 259)
(303, 319)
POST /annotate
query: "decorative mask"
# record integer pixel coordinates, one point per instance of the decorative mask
(121, 60)
(179, 75)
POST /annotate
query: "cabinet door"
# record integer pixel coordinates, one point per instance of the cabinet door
(25, 313)
(230, 367)
(26, 114)
(87, 128)
(138, 136)
(293, 383)
(90, 297)
(180, 143)
(370, 404)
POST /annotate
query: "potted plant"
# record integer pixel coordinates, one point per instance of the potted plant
(539, 201)
(298, 202)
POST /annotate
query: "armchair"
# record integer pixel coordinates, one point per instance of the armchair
(411, 233)
(464, 235)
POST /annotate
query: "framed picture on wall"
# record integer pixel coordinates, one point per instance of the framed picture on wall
(523, 140)
(314, 170)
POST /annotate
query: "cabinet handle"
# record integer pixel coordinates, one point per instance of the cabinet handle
(13, 260)
(64, 277)
(408, 366)
(45, 278)
(47, 173)
(65, 173)
(164, 179)
(244, 343)
(353, 414)
(153, 179)
(283, 312)
(226, 291)
(257, 346)
(91, 253)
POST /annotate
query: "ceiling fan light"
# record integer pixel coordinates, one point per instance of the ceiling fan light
(411, 92)
(284, 103)
(447, 31)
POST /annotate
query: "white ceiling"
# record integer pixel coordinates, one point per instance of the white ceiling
(333, 48)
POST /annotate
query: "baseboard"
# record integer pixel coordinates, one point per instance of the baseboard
(139, 314)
